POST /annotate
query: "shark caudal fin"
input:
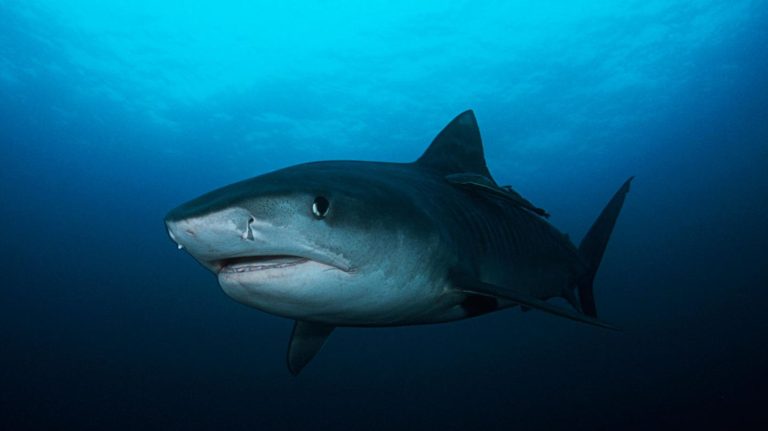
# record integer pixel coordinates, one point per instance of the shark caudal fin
(593, 245)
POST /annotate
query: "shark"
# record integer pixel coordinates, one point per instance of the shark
(369, 244)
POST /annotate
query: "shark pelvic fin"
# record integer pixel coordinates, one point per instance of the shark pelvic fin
(477, 287)
(457, 148)
(307, 339)
(483, 184)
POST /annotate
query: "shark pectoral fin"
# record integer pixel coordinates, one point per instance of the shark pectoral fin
(477, 287)
(481, 183)
(307, 339)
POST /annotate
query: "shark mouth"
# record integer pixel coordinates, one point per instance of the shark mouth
(257, 263)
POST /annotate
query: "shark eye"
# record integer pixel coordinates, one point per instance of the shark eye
(320, 207)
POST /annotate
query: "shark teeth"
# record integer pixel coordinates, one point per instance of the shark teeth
(242, 267)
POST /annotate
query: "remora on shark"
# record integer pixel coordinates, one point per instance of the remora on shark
(353, 243)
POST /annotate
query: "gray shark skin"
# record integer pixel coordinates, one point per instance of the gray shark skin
(352, 243)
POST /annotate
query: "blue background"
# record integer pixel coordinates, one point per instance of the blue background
(112, 113)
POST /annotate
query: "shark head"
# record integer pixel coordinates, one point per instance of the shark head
(340, 242)
(319, 241)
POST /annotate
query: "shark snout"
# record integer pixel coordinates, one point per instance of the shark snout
(212, 235)
(181, 232)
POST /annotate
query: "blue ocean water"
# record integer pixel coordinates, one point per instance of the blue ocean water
(112, 113)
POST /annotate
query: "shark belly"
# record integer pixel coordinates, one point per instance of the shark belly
(387, 299)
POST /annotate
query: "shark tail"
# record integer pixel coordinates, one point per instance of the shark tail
(593, 245)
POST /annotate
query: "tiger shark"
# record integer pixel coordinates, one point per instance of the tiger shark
(367, 244)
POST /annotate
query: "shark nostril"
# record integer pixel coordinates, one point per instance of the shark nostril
(190, 232)
(248, 234)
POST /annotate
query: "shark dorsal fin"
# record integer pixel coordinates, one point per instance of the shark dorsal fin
(457, 148)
